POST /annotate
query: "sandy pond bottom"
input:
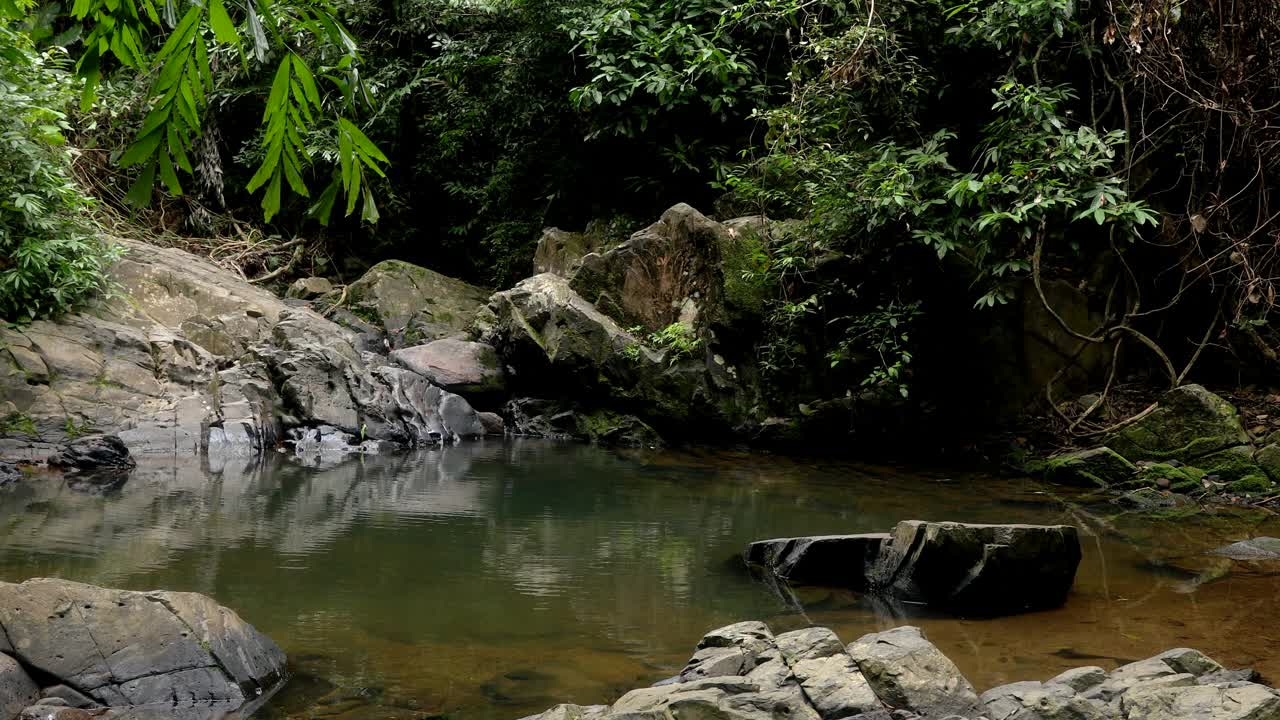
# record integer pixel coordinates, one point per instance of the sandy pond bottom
(492, 580)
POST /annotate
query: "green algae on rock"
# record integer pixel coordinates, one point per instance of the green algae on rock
(1096, 467)
(1188, 423)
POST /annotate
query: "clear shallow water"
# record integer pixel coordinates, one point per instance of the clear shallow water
(493, 580)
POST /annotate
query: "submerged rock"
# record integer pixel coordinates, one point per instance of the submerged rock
(1260, 548)
(9, 473)
(974, 569)
(96, 453)
(179, 653)
(1188, 423)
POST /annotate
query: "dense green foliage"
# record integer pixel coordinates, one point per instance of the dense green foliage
(936, 159)
(49, 260)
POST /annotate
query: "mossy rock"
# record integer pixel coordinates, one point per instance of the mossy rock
(1188, 423)
(612, 428)
(1231, 464)
(1097, 467)
(413, 304)
(1178, 478)
(1268, 458)
(1256, 484)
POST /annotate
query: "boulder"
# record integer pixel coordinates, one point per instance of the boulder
(309, 288)
(459, 366)
(493, 423)
(978, 569)
(1268, 458)
(1231, 465)
(1203, 702)
(973, 569)
(1032, 700)
(670, 271)
(836, 560)
(827, 674)
(535, 417)
(412, 304)
(95, 453)
(17, 689)
(1189, 422)
(1094, 468)
(907, 671)
(556, 339)
(128, 649)
(561, 252)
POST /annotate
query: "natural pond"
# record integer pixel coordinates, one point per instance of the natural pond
(492, 580)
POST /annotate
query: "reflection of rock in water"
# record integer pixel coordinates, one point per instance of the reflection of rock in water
(519, 687)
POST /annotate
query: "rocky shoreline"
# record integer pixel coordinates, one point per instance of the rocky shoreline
(746, 672)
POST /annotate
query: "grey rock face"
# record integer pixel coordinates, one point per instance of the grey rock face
(17, 689)
(907, 671)
(127, 649)
(412, 304)
(1041, 701)
(976, 569)
(309, 288)
(190, 359)
(1203, 702)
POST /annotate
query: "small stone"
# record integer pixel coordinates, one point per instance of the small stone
(309, 288)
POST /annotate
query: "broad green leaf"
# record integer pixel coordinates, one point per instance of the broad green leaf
(140, 192)
(223, 28)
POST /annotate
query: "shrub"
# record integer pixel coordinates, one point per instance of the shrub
(50, 261)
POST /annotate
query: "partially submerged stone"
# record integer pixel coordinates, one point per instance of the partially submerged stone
(1259, 548)
(126, 649)
(1188, 423)
(837, 560)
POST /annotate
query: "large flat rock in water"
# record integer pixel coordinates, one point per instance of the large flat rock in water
(180, 652)
(974, 569)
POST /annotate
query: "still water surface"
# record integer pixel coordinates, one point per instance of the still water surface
(492, 580)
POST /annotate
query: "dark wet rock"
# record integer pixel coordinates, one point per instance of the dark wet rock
(1098, 467)
(534, 417)
(17, 689)
(1188, 423)
(907, 671)
(837, 560)
(460, 366)
(412, 304)
(975, 569)
(309, 288)
(327, 440)
(1151, 499)
(94, 453)
(128, 649)
(1260, 548)
(9, 473)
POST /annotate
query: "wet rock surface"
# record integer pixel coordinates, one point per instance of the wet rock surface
(744, 672)
(972, 569)
(121, 654)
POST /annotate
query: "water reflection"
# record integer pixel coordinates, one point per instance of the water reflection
(493, 579)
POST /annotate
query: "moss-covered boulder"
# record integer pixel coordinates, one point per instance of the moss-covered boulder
(414, 305)
(1168, 476)
(1256, 484)
(1231, 464)
(1188, 423)
(1097, 467)
(1268, 458)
